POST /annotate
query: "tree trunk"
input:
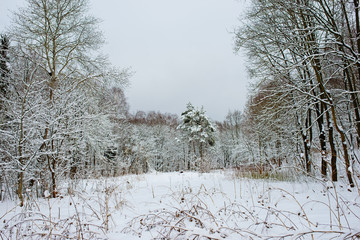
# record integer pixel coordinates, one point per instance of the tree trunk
(344, 145)
(307, 154)
(21, 159)
(320, 121)
(334, 176)
(307, 144)
(51, 165)
(307, 164)
(20, 188)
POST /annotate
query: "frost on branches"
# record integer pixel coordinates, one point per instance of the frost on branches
(198, 131)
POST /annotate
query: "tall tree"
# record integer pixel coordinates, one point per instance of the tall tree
(198, 130)
(303, 47)
(4, 68)
(65, 40)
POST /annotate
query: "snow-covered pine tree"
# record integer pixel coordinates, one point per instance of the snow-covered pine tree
(198, 131)
(4, 69)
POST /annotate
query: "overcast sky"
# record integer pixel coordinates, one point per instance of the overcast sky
(180, 50)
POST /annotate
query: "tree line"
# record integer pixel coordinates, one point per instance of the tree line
(304, 104)
(60, 97)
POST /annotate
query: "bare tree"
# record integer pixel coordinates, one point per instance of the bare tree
(65, 41)
(301, 47)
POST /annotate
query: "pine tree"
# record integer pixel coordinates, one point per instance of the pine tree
(4, 69)
(198, 130)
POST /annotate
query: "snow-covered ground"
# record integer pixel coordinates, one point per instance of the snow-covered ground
(187, 205)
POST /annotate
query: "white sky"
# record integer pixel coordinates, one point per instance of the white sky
(181, 51)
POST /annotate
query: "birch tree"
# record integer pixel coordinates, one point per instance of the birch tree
(65, 40)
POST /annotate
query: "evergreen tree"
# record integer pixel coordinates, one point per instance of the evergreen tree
(4, 69)
(198, 130)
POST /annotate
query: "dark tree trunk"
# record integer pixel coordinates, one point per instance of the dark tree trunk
(320, 121)
(334, 176)
(20, 188)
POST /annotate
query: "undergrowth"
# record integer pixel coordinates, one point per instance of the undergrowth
(76, 215)
(270, 174)
(196, 217)
(220, 206)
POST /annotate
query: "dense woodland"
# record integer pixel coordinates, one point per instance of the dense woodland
(64, 114)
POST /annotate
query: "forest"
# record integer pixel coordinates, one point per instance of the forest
(64, 115)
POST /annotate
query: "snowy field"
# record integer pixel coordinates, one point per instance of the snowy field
(187, 206)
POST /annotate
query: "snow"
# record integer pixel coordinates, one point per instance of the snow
(187, 205)
(46, 194)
